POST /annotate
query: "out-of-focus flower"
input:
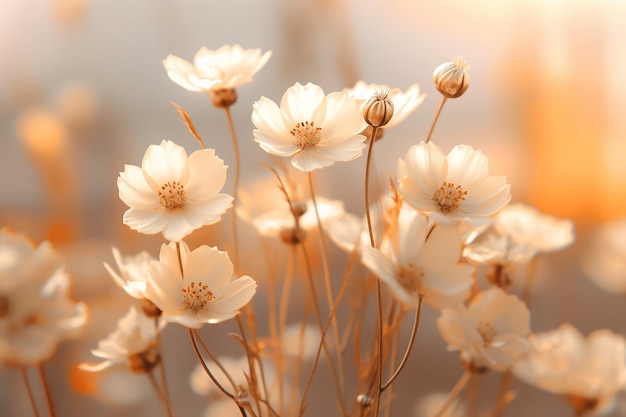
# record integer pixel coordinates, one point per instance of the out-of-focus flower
(133, 272)
(492, 332)
(604, 261)
(417, 260)
(199, 291)
(225, 68)
(451, 78)
(172, 193)
(404, 103)
(133, 342)
(588, 371)
(430, 405)
(451, 188)
(300, 341)
(315, 129)
(36, 311)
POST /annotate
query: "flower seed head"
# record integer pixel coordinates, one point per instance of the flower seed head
(451, 78)
(378, 110)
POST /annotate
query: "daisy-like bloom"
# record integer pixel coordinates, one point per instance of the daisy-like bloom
(133, 342)
(203, 292)
(430, 405)
(314, 129)
(492, 332)
(172, 193)
(453, 187)
(587, 371)
(36, 310)
(415, 261)
(404, 103)
(226, 68)
(133, 272)
(604, 260)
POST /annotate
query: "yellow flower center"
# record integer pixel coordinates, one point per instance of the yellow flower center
(172, 195)
(197, 296)
(487, 332)
(306, 135)
(448, 197)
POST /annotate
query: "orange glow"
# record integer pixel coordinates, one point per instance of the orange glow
(41, 132)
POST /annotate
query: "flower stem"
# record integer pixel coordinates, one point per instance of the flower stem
(231, 126)
(164, 392)
(367, 186)
(434, 122)
(180, 259)
(46, 390)
(29, 390)
(454, 393)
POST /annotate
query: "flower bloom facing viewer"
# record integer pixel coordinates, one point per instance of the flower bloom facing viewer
(587, 371)
(453, 187)
(133, 341)
(199, 291)
(316, 130)
(172, 193)
(36, 310)
(492, 332)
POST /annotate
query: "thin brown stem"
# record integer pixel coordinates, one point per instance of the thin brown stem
(29, 390)
(165, 391)
(180, 259)
(46, 390)
(504, 395)
(157, 390)
(233, 135)
(368, 164)
(214, 358)
(434, 122)
(458, 388)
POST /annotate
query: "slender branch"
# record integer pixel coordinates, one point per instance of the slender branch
(46, 390)
(367, 186)
(214, 358)
(165, 392)
(29, 390)
(180, 259)
(157, 391)
(504, 395)
(454, 393)
(231, 126)
(434, 122)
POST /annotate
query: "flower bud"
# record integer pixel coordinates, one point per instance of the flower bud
(378, 110)
(145, 361)
(451, 78)
(223, 98)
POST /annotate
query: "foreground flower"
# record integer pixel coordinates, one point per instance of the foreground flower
(36, 310)
(492, 332)
(202, 292)
(451, 78)
(133, 342)
(316, 130)
(415, 261)
(404, 103)
(451, 188)
(604, 261)
(226, 68)
(587, 371)
(172, 193)
(133, 272)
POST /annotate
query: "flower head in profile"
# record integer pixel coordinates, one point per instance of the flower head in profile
(133, 272)
(199, 291)
(492, 332)
(453, 187)
(315, 129)
(133, 342)
(225, 68)
(172, 193)
(587, 371)
(36, 310)
(404, 103)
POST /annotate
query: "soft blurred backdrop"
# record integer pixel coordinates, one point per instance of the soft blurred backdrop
(83, 91)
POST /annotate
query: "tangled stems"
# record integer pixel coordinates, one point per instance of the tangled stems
(29, 390)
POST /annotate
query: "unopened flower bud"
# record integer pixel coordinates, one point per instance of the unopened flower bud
(451, 78)
(150, 309)
(224, 97)
(144, 362)
(378, 110)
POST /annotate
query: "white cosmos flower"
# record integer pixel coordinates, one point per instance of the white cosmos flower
(226, 68)
(404, 103)
(36, 310)
(453, 187)
(492, 332)
(416, 261)
(133, 341)
(204, 292)
(172, 193)
(588, 371)
(133, 272)
(315, 129)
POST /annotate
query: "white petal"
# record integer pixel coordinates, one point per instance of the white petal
(207, 175)
(210, 266)
(165, 162)
(303, 103)
(135, 191)
(466, 166)
(179, 71)
(147, 221)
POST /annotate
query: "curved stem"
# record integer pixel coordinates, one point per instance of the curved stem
(434, 122)
(29, 390)
(46, 390)
(454, 393)
(165, 392)
(367, 187)
(235, 190)
(214, 359)
(409, 347)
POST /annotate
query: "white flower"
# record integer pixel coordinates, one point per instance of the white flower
(451, 188)
(133, 272)
(172, 193)
(315, 129)
(491, 332)
(203, 293)
(416, 261)
(604, 261)
(133, 341)
(226, 68)
(404, 103)
(36, 310)
(563, 361)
